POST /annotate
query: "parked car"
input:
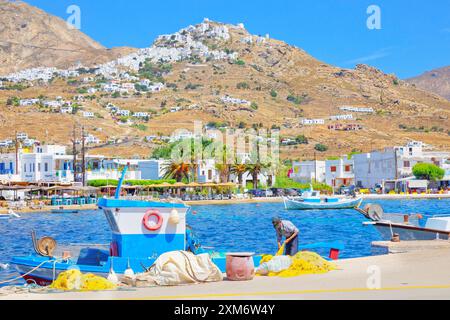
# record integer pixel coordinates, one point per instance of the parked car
(347, 190)
(291, 193)
(277, 192)
(257, 193)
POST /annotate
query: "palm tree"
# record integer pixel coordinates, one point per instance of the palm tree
(239, 169)
(176, 170)
(255, 170)
(224, 172)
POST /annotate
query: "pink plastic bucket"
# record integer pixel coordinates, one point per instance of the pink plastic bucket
(240, 266)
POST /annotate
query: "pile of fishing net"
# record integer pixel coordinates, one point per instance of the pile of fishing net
(286, 266)
(74, 280)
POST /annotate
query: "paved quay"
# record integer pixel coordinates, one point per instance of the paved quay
(416, 275)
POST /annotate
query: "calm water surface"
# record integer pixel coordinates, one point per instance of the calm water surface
(238, 227)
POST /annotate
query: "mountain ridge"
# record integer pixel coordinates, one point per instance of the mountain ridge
(437, 81)
(30, 37)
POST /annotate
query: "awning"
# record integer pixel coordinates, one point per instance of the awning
(418, 184)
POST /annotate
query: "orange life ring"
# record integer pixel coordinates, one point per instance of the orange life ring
(148, 215)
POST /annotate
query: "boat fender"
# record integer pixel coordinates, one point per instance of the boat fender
(146, 220)
(129, 272)
(112, 276)
(174, 217)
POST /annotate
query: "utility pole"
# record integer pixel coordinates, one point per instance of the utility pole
(74, 151)
(17, 153)
(83, 157)
(315, 166)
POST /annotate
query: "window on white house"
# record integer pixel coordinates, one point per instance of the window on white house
(46, 167)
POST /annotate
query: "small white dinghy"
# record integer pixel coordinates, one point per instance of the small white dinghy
(312, 200)
(10, 214)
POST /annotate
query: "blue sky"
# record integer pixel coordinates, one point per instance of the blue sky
(414, 35)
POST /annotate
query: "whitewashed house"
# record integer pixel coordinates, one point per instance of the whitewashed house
(29, 142)
(394, 163)
(308, 122)
(140, 114)
(91, 139)
(357, 109)
(342, 117)
(22, 135)
(48, 163)
(123, 112)
(152, 169)
(66, 109)
(28, 102)
(339, 172)
(308, 171)
(157, 87)
(88, 114)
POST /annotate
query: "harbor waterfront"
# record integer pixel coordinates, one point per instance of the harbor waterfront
(237, 227)
(402, 277)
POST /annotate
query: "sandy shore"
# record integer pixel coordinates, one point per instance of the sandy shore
(49, 209)
(417, 275)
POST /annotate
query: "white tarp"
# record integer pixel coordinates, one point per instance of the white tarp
(180, 267)
(418, 184)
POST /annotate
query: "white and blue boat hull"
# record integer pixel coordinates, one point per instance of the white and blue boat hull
(321, 204)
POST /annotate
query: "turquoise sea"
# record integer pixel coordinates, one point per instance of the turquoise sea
(237, 227)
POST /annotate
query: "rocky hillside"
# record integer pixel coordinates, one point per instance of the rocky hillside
(437, 81)
(29, 37)
(226, 77)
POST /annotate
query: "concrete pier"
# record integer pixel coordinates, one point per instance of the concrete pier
(411, 246)
(414, 275)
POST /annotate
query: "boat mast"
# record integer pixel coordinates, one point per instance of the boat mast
(17, 153)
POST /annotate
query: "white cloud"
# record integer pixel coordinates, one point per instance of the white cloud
(373, 56)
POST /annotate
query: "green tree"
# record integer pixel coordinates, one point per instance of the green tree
(238, 169)
(177, 171)
(301, 139)
(243, 86)
(428, 171)
(321, 147)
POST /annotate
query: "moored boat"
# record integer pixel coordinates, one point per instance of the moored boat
(312, 200)
(406, 227)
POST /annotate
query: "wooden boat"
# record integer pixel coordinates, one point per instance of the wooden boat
(406, 226)
(312, 200)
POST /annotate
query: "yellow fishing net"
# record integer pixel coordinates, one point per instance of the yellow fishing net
(281, 250)
(302, 263)
(75, 280)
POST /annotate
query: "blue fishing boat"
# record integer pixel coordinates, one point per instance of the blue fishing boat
(312, 200)
(141, 232)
